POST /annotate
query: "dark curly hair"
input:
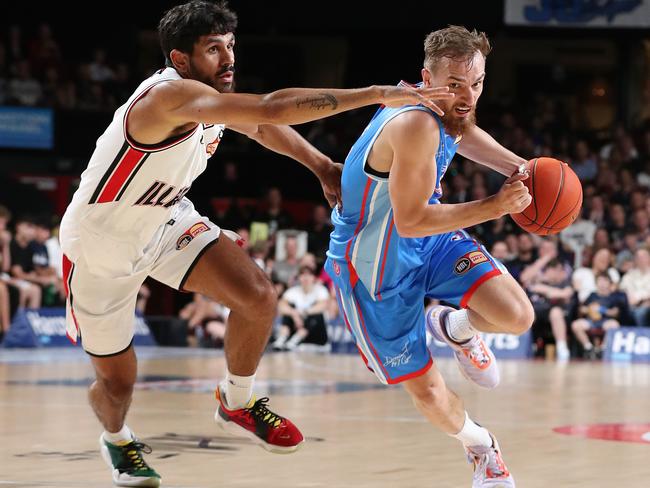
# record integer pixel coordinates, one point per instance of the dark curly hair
(181, 26)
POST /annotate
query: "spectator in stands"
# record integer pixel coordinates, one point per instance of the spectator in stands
(99, 70)
(44, 51)
(274, 214)
(584, 279)
(584, 161)
(26, 265)
(198, 313)
(215, 328)
(29, 294)
(602, 310)
(616, 224)
(526, 254)
(577, 236)
(636, 285)
(302, 310)
(285, 271)
(551, 295)
(319, 232)
(24, 89)
(53, 294)
(641, 223)
(547, 252)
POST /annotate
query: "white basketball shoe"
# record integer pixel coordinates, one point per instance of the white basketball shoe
(475, 359)
(489, 469)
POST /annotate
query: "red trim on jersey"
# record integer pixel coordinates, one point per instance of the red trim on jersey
(121, 174)
(468, 294)
(68, 268)
(383, 261)
(367, 337)
(167, 143)
(353, 274)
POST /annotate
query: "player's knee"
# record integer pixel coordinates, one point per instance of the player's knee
(262, 298)
(434, 398)
(118, 388)
(519, 316)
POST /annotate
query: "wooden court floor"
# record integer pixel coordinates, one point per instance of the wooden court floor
(359, 433)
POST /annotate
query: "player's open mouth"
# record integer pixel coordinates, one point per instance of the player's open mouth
(227, 77)
(462, 110)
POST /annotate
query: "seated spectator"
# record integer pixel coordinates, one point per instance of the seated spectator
(526, 254)
(24, 89)
(577, 236)
(603, 309)
(551, 296)
(198, 313)
(274, 214)
(636, 285)
(29, 294)
(584, 161)
(319, 233)
(286, 268)
(584, 279)
(302, 309)
(53, 292)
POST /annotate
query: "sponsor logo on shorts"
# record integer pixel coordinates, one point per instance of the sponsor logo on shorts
(401, 359)
(468, 261)
(190, 234)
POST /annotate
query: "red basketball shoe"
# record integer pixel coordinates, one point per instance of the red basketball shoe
(255, 421)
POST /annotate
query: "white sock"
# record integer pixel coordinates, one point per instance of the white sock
(124, 435)
(473, 434)
(238, 389)
(561, 345)
(458, 326)
(280, 340)
(588, 346)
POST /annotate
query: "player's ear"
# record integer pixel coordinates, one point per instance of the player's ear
(426, 77)
(181, 61)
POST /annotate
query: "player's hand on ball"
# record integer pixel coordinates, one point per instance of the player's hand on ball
(513, 197)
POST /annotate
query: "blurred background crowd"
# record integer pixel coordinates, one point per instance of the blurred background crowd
(579, 100)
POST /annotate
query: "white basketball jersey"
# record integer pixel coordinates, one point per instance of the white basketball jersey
(130, 190)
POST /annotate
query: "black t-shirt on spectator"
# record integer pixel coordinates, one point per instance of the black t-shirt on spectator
(22, 256)
(40, 257)
(319, 241)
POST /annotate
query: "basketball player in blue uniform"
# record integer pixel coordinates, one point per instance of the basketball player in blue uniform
(394, 244)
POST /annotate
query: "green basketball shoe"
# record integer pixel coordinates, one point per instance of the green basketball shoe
(127, 465)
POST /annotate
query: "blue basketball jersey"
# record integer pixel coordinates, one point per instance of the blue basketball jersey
(365, 245)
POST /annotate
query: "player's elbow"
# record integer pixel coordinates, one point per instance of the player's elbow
(405, 227)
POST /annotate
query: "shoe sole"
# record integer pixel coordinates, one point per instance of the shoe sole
(106, 456)
(235, 430)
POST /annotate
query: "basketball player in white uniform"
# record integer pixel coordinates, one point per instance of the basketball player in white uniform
(129, 219)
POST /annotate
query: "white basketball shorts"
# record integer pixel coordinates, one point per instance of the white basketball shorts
(101, 309)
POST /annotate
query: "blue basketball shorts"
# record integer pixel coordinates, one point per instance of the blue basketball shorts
(390, 333)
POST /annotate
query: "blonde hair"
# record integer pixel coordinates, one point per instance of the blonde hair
(454, 42)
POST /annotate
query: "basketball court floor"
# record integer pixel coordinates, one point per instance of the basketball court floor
(560, 425)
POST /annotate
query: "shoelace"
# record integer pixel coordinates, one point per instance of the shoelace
(260, 411)
(133, 452)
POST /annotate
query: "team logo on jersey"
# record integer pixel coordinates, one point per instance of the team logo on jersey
(190, 234)
(212, 147)
(468, 261)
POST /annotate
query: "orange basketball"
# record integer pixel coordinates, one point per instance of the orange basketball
(557, 197)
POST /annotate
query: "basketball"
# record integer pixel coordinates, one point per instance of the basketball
(557, 197)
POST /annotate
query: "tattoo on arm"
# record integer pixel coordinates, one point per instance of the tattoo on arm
(323, 100)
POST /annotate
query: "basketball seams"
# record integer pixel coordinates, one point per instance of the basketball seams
(557, 197)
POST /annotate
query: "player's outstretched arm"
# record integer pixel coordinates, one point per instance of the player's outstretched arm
(414, 139)
(187, 101)
(284, 140)
(479, 146)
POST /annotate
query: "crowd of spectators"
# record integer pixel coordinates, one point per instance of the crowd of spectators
(35, 72)
(593, 276)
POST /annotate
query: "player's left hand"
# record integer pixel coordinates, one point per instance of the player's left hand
(330, 180)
